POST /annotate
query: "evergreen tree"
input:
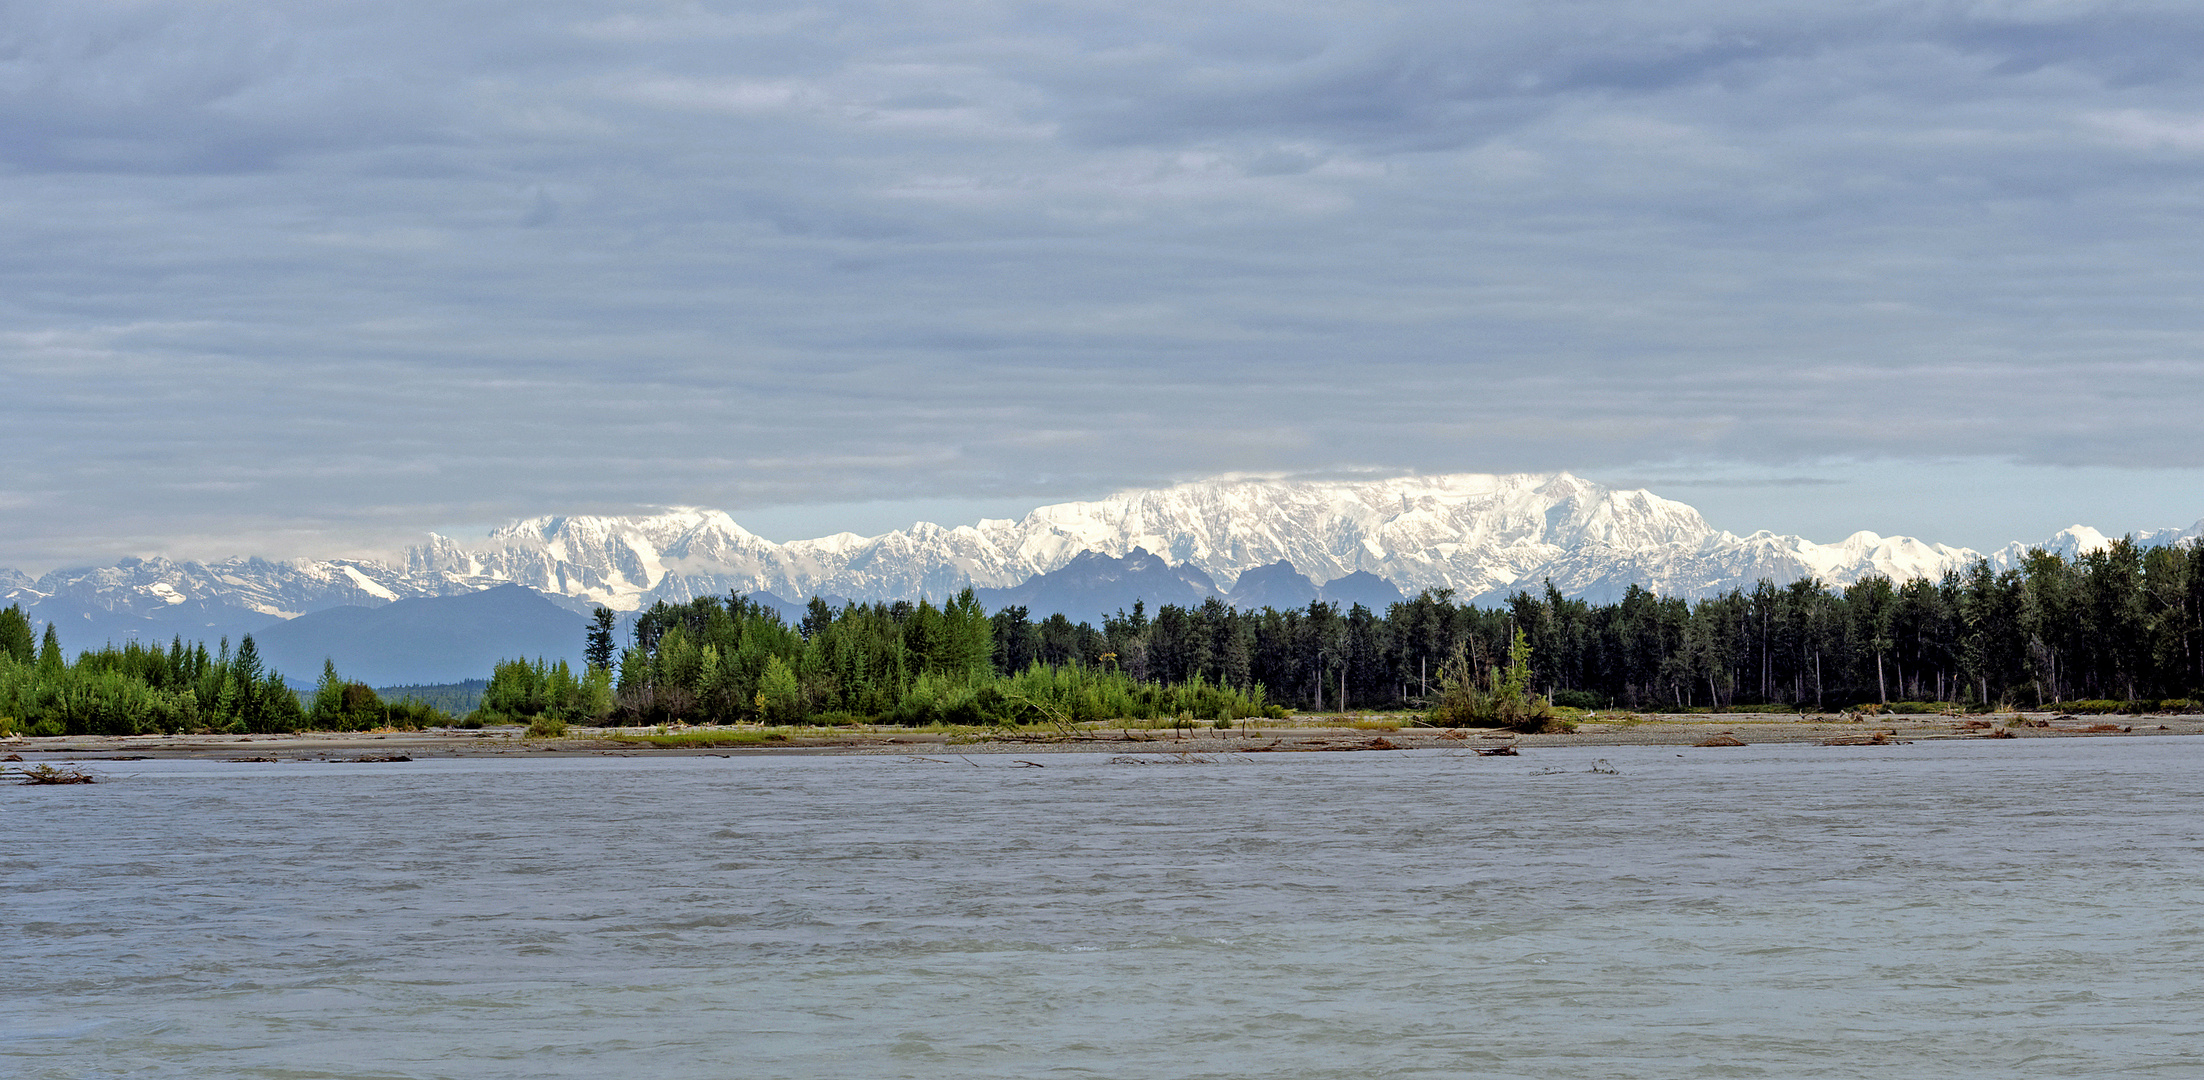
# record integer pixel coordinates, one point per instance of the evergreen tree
(16, 641)
(599, 648)
(50, 660)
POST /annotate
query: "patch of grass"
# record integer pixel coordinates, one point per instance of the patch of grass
(691, 739)
(2100, 707)
(1614, 719)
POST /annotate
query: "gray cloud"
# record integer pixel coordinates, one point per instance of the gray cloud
(310, 277)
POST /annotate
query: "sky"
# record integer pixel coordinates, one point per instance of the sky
(313, 278)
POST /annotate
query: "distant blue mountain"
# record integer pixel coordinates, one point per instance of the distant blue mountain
(1284, 588)
(433, 639)
(1277, 586)
(1361, 587)
(1093, 585)
(83, 625)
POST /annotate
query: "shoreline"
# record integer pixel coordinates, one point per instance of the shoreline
(1298, 735)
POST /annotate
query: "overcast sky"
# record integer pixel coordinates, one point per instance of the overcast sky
(311, 278)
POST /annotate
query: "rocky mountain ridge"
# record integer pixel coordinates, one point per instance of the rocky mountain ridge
(1483, 536)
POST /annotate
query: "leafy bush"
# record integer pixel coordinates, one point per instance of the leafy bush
(350, 706)
(140, 690)
(779, 701)
(1500, 698)
(520, 691)
(1071, 694)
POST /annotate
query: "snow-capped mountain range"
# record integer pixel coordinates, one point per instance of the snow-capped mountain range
(1482, 536)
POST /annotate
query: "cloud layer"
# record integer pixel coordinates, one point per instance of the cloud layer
(311, 276)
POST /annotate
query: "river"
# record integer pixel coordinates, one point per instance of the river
(2010, 908)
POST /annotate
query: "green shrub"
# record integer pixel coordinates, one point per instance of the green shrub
(547, 727)
(1500, 698)
(522, 690)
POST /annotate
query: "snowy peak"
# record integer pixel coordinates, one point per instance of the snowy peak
(2078, 540)
(1481, 535)
(1267, 541)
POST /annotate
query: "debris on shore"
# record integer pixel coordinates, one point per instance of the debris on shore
(57, 774)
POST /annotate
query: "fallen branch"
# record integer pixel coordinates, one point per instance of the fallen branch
(50, 774)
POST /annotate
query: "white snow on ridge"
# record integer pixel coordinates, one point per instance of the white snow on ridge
(1481, 535)
(366, 584)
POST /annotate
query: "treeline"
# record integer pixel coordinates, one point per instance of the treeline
(2123, 623)
(720, 659)
(140, 689)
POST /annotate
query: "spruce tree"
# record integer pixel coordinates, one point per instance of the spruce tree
(50, 660)
(16, 642)
(599, 648)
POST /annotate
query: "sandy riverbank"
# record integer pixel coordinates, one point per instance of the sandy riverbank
(1300, 735)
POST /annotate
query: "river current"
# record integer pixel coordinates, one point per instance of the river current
(1999, 909)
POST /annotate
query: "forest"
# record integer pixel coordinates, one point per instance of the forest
(140, 689)
(2119, 627)
(2123, 624)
